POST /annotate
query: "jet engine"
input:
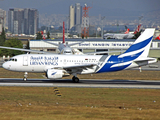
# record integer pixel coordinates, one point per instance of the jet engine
(54, 74)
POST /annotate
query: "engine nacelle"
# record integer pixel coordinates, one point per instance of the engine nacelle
(54, 74)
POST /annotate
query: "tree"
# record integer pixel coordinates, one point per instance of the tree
(39, 36)
(2, 37)
(27, 47)
(137, 34)
(13, 42)
(48, 35)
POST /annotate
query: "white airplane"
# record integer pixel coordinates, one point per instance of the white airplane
(58, 66)
(65, 48)
(126, 35)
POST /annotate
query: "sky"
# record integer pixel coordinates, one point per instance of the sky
(103, 7)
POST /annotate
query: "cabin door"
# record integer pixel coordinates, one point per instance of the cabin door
(25, 60)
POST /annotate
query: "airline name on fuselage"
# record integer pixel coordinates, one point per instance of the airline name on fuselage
(44, 60)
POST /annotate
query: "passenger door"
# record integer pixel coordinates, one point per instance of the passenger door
(25, 60)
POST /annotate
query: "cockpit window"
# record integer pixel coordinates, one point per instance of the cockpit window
(13, 59)
(67, 51)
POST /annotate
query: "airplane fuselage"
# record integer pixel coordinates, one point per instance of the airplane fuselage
(41, 63)
(119, 36)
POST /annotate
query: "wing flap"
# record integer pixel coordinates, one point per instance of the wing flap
(79, 66)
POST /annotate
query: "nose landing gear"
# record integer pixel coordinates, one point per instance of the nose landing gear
(25, 76)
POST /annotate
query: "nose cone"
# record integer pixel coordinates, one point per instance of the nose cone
(4, 65)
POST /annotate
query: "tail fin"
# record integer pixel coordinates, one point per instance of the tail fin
(157, 38)
(138, 29)
(63, 32)
(43, 35)
(127, 31)
(141, 46)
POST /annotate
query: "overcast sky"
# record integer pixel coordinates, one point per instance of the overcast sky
(98, 6)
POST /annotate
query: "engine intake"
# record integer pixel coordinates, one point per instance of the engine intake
(54, 74)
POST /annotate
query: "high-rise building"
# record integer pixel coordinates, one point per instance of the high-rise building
(2, 19)
(75, 13)
(71, 16)
(23, 21)
(78, 17)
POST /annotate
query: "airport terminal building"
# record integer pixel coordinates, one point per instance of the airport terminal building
(94, 45)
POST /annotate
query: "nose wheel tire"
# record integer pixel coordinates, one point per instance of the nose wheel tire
(25, 76)
(75, 79)
(25, 79)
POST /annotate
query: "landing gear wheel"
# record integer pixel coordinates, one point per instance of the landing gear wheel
(75, 79)
(25, 76)
(25, 79)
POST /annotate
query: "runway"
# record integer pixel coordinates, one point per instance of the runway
(141, 84)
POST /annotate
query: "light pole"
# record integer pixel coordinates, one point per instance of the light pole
(102, 18)
(67, 26)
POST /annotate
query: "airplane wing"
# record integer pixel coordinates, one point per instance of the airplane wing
(50, 43)
(79, 66)
(26, 50)
(75, 43)
(58, 44)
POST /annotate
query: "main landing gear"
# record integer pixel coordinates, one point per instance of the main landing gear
(75, 79)
(25, 76)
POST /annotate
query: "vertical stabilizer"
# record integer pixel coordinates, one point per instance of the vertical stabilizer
(138, 29)
(157, 38)
(142, 44)
(63, 32)
(127, 31)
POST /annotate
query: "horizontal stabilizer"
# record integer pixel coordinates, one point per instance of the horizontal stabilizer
(145, 59)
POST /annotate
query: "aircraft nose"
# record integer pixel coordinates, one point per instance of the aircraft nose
(5, 65)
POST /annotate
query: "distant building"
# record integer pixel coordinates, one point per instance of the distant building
(2, 19)
(23, 21)
(71, 16)
(76, 17)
